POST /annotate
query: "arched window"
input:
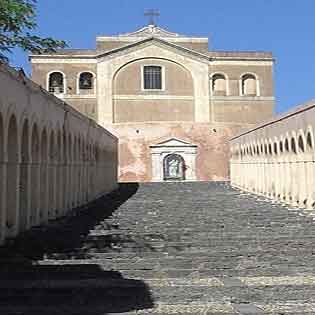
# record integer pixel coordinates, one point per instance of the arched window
(249, 85)
(86, 81)
(219, 85)
(56, 83)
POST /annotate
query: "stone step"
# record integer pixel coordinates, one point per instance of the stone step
(301, 253)
(218, 264)
(187, 248)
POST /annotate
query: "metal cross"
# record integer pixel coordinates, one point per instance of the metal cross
(152, 14)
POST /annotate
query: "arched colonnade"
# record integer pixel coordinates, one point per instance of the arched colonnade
(52, 158)
(278, 159)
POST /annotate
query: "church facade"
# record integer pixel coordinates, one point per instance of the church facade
(172, 103)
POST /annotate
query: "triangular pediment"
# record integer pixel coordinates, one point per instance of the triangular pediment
(151, 30)
(173, 142)
(158, 42)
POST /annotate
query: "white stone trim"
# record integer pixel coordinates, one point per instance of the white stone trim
(257, 83)
(63, 60)
(242, 98)
(80, 96)
(227, 82)
(60, 95)
(108, 66)
(162, 73)
(173, 146)
(221, 62)
(78, 82)
(136, 38)
(152, 97)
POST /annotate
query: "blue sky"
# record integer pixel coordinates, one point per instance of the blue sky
(284, 27)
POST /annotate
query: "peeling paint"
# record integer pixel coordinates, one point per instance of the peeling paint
(135, 155)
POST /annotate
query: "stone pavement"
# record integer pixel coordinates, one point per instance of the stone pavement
(165, 248)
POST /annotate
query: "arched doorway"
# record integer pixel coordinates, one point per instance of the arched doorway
(174, 167)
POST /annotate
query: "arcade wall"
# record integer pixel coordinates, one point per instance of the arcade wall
(52, 158)
(276, 159)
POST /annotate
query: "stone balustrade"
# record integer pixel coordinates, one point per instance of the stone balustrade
(52, 158)
(277, 158)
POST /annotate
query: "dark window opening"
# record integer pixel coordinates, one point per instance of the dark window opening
(152, 77)
(86, 81)
(56, 83)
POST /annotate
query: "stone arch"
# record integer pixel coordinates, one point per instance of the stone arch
(287, 145)
(75, 173)
(275, 147)
(70, 168)
(270, 149)
(56, 82)
(35, 155)
(64, 168)
(281, 146)
(249, 84)
(51, 175)
(266, 148)
(301, 143)
(199, 71)
(25, 177)
(58, 150)
(12, 176)
(92, 162)
(219, 84)
(91, 88)
(120, 67)
(83, 168)
(44, 176)
(309, 139)
(79, 170)
(257, 149)
(309, 167)
(176, 80)
(293, 145)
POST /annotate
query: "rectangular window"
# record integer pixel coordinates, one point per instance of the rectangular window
(152, 77)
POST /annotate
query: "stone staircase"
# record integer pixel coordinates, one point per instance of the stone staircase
(165, 248)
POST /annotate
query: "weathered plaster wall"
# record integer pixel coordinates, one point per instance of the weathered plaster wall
(70, 69)
(189, 108)
(153, 110)
(249, 110)
(135, 161)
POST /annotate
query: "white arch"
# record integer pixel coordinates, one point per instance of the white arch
(257, 83)
(64, 81)
(78, 81)
(197, 67)
(227, 82)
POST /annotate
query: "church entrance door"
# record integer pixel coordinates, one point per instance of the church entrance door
(174, 167)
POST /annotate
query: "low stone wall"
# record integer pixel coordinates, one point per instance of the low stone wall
(52, 158)
(277, 158)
